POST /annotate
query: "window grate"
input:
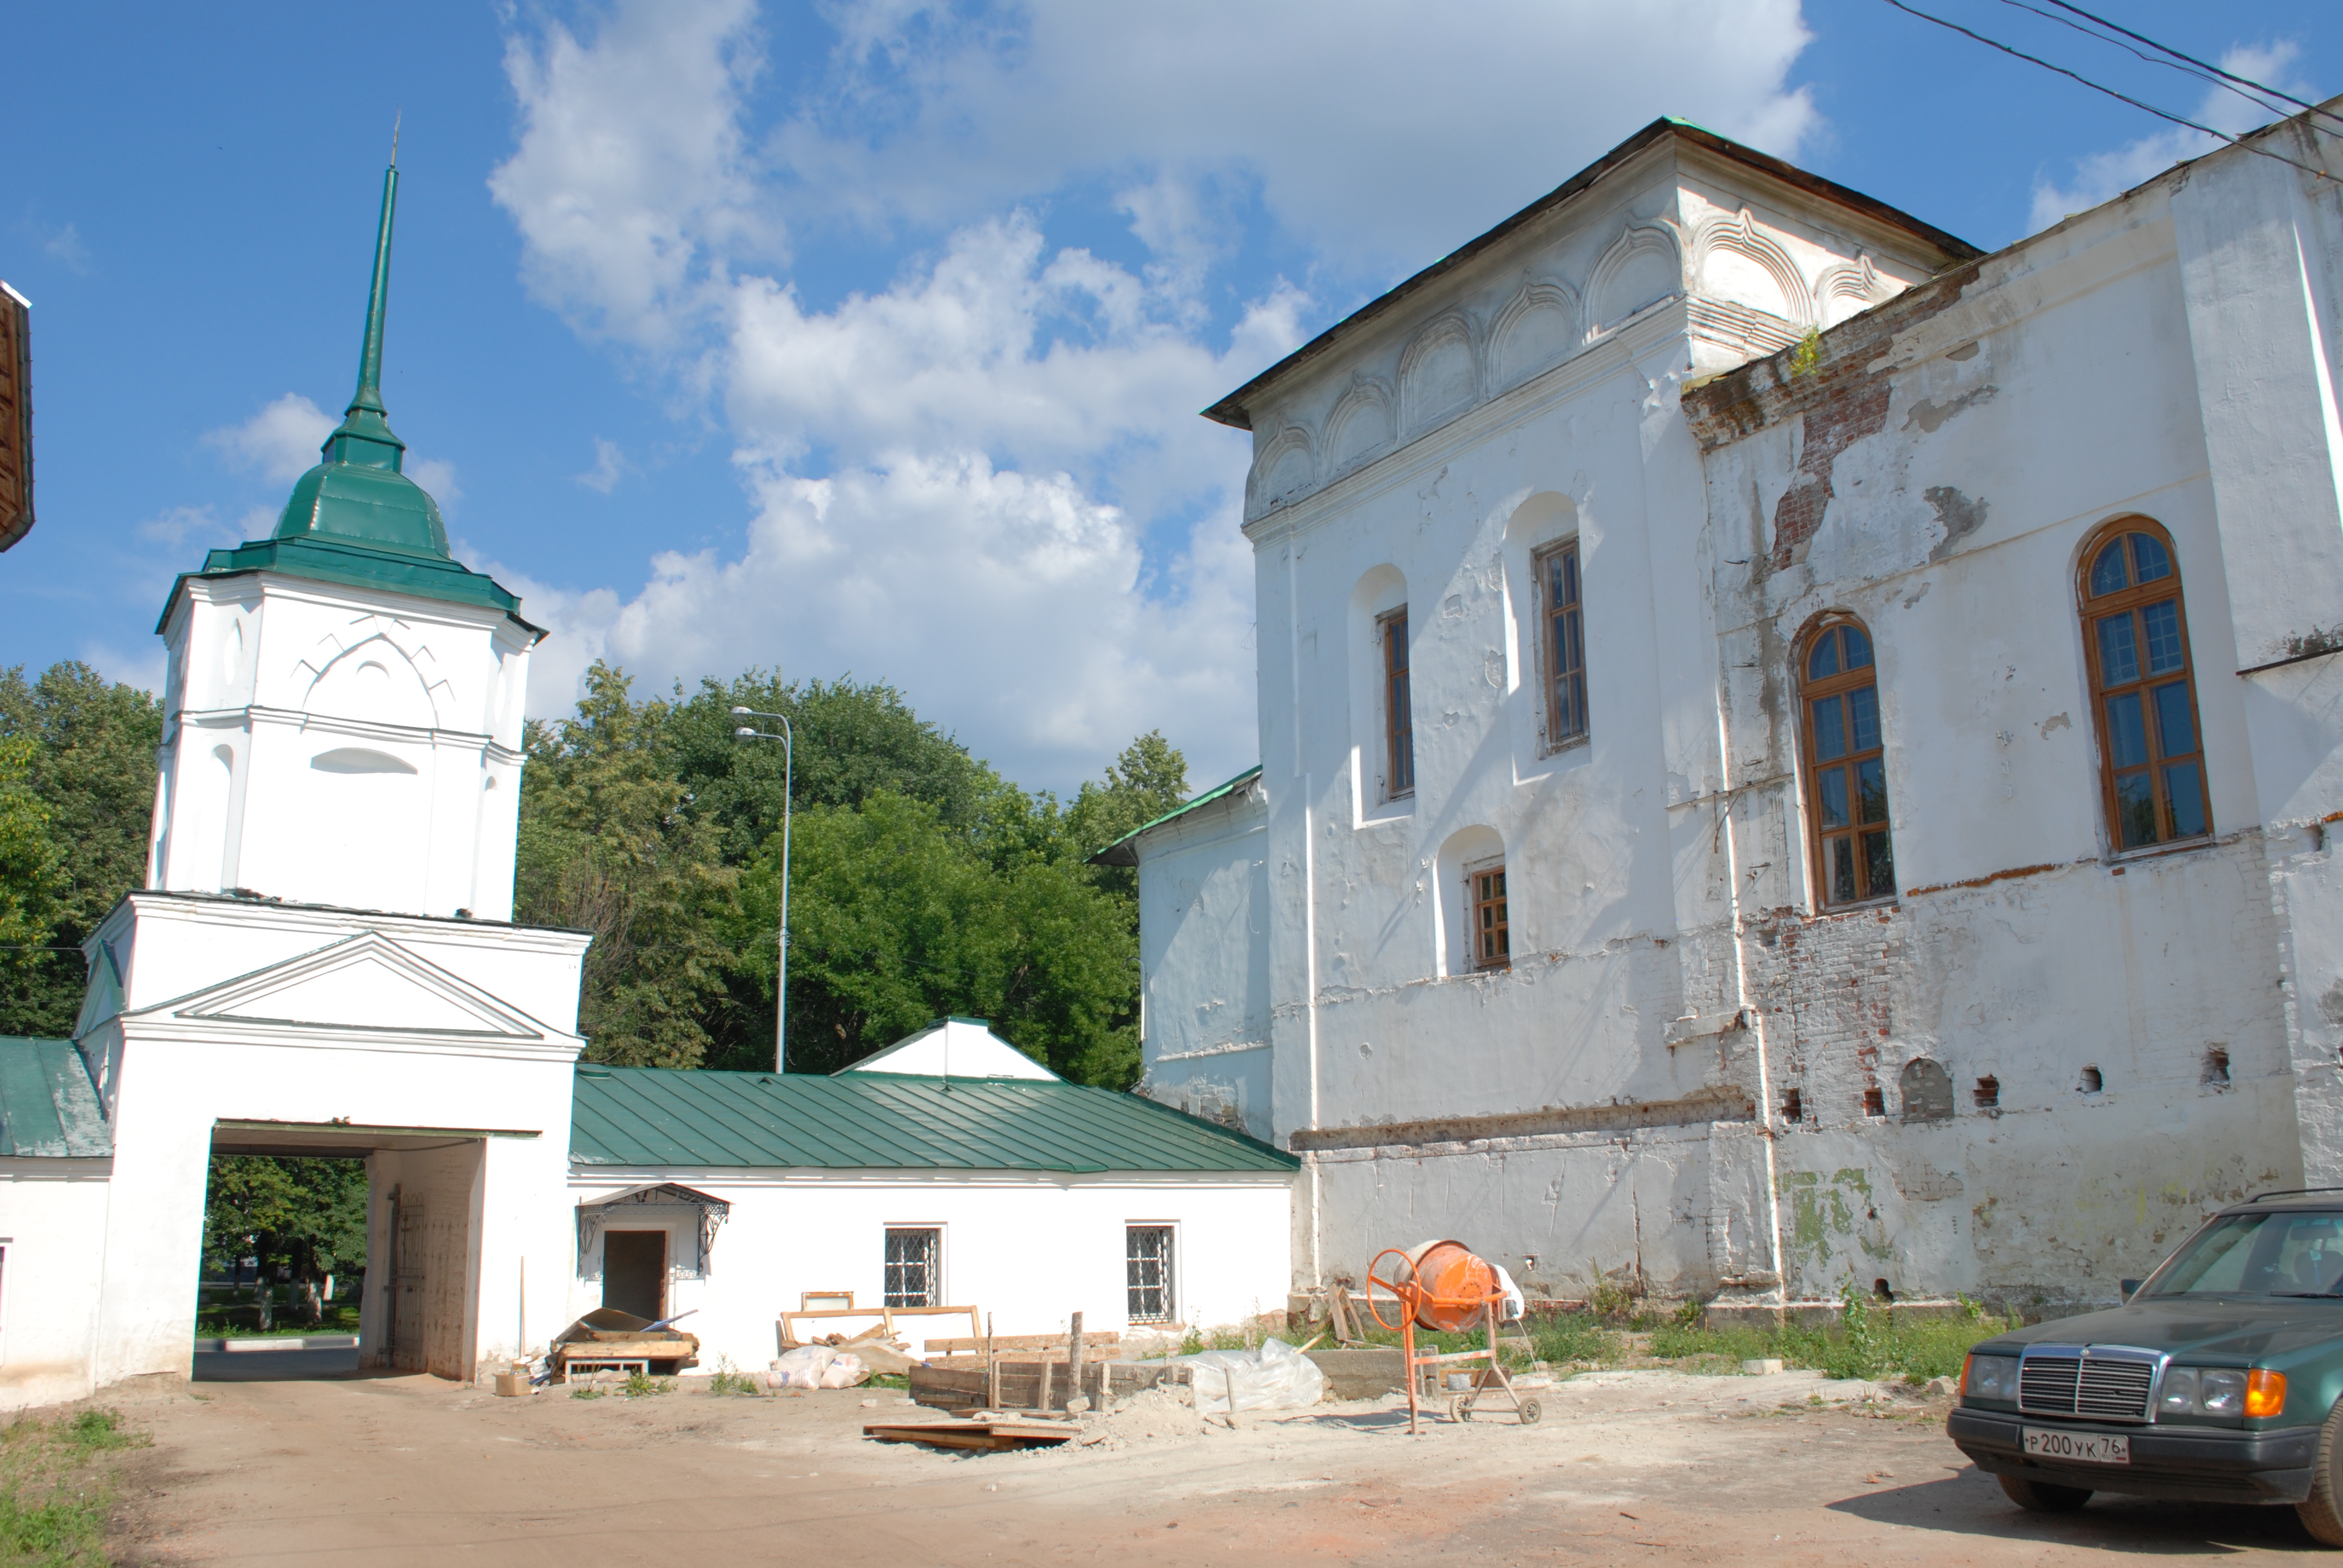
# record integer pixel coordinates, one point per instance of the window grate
(914, 1267)
(1148, 1274)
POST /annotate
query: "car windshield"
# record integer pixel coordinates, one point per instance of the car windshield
(2283, 1253)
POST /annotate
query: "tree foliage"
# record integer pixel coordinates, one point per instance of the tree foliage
(922, 884)
(77, 803)
(308, 1214)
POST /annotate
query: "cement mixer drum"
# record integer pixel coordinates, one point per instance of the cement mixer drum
(1443, 1281)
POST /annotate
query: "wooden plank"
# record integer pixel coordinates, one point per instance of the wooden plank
(1018, 1342)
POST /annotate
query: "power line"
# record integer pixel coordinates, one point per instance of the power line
(2211, 74)
(2201, 65)
(2110, 91)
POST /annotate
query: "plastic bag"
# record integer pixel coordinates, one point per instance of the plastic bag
(1513, 1306)
(816, 1366)
(1274, 1377)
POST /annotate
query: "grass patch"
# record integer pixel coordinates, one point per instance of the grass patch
(642, 1385)
(729, 1380)
(55, 1487)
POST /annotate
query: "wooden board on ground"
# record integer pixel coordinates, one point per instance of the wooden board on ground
(968, 1387)
(1018, 1342)
(993, 1434)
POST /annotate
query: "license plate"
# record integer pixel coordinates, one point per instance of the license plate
(2079, 1447)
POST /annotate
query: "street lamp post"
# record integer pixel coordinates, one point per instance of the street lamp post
(789, 788)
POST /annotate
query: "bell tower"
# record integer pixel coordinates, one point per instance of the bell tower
(342, 708)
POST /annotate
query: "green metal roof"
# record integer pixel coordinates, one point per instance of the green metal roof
(355, 519)
(648, 1116)
(1123, 850)
(48, 1106)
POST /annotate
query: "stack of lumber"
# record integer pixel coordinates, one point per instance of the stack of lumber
(880, 1350)
(608, 1335)
(997, 1432)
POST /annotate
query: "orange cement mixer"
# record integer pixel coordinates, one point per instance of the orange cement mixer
(1443, 1286)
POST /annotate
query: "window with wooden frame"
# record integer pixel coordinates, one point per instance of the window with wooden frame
(915, 1266)
(1399, 721)
(1492, 947)
(1846, 768)
(2143, 690)
(1564, 653)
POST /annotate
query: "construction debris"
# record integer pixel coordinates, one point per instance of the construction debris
(1000, 1432)
(608, 1339)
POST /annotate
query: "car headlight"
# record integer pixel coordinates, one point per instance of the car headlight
(2220, 1391)
(1990, 1377)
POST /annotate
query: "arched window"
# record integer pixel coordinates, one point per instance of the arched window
(1846, 772)
(2151, 756)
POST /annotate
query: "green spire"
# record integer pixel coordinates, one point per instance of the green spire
(358, 493)
(364, 437)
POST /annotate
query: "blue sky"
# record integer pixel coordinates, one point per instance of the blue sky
(866, 337)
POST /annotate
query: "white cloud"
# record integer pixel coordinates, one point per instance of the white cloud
(281, 441)
(609, 467)
(986, 482)
(1368, 131)
(65, 244)
(172, 526)
(435, 475)
(2103, 176)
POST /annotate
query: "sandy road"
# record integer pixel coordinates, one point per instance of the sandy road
(1626, 1467)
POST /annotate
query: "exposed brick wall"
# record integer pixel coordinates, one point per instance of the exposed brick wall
(1827, 985)
(1828, 430)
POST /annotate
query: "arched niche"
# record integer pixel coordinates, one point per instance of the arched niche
(1642, 268)
(1849, 289)
(1286, 470)
(1737, 261)
(1438, 375)
(1361, 427)
(1926, 1089)
(1537, 330)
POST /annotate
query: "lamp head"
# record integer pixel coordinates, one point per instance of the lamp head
(740, 713)
(744, 733)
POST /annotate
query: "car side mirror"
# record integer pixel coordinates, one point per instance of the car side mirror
(2129, 1288)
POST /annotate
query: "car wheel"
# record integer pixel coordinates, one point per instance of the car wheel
(2322, 1511)
(2041, 1497)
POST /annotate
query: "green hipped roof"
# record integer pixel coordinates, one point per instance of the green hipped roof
(355, 518)
(1123, 850)
(48, 1106)
(648, 1116)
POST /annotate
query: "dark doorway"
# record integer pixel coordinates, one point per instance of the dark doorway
(634, 1272)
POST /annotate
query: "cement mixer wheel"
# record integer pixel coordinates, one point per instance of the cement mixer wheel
(1530, 1413)
(1460, 1408)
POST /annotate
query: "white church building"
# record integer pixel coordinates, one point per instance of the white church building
(1793, 753)
(323, 962)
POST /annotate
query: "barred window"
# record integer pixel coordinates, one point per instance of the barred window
(915, 1259)
(1566, 645)
(1147, 1270)
(2136, 632)
(1846, 767)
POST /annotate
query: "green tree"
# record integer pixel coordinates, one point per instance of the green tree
(92, 767)
(610, 844)
(895, 919)
(307, 1214)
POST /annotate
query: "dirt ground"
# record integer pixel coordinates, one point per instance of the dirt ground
(1625, 1467)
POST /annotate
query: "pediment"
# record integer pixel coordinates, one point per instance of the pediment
(367, 983)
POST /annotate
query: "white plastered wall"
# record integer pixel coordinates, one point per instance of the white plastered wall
(53, 1216)
(1027, 1249)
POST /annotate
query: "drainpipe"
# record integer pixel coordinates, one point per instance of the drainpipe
(1753, 1019)
(1309, 888)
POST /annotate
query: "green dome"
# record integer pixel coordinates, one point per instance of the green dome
(380, 507)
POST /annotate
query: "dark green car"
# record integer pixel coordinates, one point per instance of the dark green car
(2217, 1381)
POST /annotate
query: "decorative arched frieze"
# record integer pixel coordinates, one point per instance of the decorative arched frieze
(1360, 429)
(1286, 470)
(1440, 374)
(365, 673)
(1847, 287)
(1538, 329)
(1735, 260)
(1643, 267)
